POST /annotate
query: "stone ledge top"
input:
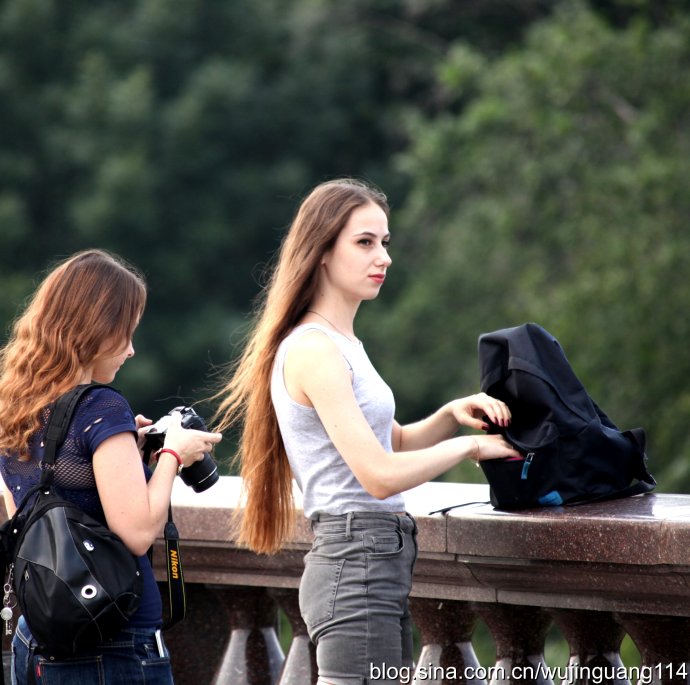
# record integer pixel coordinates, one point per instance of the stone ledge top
(643, 530)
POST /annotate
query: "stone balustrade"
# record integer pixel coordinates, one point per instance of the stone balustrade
(598, 571)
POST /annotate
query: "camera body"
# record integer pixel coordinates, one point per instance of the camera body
(201, 475)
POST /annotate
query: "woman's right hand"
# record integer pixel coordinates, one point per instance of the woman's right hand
(189, 443)
(492, 447)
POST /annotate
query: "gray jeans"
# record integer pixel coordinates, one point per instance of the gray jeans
(354, 597)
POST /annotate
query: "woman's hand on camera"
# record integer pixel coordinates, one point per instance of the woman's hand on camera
(468, 411)
(142, 428)
(189, 443)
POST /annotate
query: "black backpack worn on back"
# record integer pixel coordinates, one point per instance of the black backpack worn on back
(571, 451)
(75, 581)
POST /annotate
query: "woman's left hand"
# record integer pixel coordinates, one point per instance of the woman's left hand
(142, 428)
(468, 411)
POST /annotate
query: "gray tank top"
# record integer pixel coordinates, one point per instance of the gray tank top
(327, 484)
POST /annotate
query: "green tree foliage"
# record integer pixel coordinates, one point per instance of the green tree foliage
(553, 189)
(182, 134)
(179, 134)
(535, 165)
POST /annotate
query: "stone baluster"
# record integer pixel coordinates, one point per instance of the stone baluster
(300, 663)
(196, 643)
(519, 633)
(595, 640)
(664, 644)
(253, 655)
(446, 635)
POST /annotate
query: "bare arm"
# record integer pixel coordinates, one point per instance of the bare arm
(316, 375)
(444, 423)
(10, 506)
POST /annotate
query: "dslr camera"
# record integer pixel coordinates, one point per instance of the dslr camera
(201, 475)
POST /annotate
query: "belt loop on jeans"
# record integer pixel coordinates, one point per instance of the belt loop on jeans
(348, 523)
(414, 523)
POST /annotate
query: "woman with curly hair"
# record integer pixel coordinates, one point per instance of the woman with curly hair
(77, 329)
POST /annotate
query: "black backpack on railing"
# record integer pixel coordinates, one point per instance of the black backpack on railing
(571, 452)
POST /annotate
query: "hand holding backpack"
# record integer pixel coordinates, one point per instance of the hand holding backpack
(571, 451)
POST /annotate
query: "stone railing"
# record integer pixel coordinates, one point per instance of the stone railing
(598, 571)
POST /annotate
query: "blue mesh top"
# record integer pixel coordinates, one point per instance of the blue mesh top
(100, 414)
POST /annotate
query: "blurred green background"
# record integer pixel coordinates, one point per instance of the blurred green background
(536, 155)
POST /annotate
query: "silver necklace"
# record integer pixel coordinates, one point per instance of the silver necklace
(332, 325)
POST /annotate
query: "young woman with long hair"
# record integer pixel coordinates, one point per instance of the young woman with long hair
(312, 406)
(77, 329)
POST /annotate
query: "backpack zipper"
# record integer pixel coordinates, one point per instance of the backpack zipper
(526, 465)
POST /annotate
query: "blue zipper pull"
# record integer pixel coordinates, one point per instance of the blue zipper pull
(526, 465)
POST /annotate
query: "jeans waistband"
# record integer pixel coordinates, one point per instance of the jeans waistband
(128, 633)
(139, 631)
(385, 515)
(359, 520)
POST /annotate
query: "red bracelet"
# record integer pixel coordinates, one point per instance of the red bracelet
(175, 454)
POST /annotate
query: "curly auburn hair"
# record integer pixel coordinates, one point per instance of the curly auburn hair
(85, 307)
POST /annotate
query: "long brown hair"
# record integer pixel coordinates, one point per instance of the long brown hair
(87, 305)
(268, 513)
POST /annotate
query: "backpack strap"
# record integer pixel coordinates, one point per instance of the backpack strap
(640, 488)
(445, 510)
(58, 425)
(645, 481)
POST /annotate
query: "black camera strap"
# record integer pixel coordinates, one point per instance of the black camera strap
(177, 599)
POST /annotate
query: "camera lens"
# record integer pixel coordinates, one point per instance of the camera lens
(201, 475)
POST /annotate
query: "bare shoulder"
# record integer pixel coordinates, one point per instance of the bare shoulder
(311, 346)
(314, 362)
